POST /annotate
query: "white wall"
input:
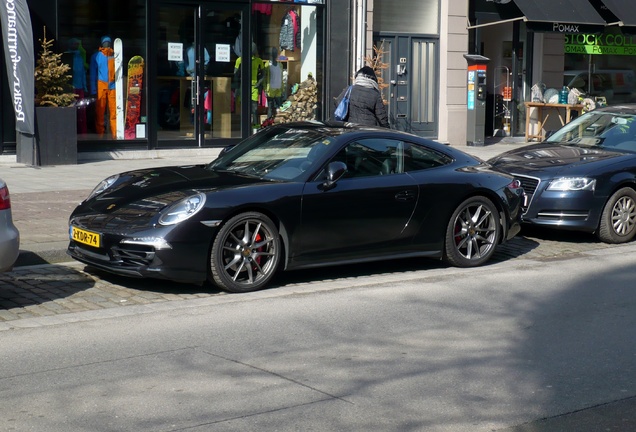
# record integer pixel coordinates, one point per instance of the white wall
(309, 42)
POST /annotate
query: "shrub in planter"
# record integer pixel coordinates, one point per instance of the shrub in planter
(55, 114)
(52, 78)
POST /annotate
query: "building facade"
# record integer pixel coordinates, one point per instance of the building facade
(541, 45)
(419, 48)
(191, 73)
(210, 73)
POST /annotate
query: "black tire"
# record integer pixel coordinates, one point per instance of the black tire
(245, 253)
(472, 233)
(618, 220)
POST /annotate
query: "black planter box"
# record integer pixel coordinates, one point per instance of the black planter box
(56, 135)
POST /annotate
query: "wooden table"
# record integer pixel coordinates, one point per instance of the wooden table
(541, 119)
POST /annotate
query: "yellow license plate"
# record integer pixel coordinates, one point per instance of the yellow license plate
(86, 237)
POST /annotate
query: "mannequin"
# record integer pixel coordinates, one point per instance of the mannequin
(78, 73)
(273, 82)
(103, 86)
(257, 78)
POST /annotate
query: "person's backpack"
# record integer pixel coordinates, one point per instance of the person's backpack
(342, 110)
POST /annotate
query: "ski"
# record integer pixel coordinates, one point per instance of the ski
(119, 87)
(133, 101)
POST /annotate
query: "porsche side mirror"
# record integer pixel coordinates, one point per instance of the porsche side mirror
(335, 171)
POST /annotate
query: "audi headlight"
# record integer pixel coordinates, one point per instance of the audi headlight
(572, 184)
(103, 185)
(182, 210)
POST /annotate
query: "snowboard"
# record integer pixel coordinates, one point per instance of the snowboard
(133, 101)
(119, 87)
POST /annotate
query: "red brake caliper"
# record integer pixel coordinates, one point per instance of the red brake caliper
(458, 230)
(258, 259)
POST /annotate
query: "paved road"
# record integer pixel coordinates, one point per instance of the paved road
(522, 345)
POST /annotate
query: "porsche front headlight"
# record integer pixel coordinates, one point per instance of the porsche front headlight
(103, 185)
(182, 210)
(572, 184)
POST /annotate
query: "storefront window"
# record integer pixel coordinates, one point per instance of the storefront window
(205, 78)
(602, 66)
(110, 106)
(198, 88)
(287, 41)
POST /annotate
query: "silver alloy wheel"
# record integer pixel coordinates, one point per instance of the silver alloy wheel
(624, 215)
(245, 253)
(618, 219)
(472, 233)
(475, 231)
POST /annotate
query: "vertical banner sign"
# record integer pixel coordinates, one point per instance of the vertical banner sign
(17, 41)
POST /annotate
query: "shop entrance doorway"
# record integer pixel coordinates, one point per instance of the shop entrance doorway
(196, 95)
(411, 75)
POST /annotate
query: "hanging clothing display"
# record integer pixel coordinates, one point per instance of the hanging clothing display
(263, 8)
(290, 31)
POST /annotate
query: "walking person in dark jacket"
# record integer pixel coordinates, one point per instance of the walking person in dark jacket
(365, 102)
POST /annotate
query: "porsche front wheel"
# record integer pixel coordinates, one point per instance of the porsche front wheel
(472, 233)
(245, 253)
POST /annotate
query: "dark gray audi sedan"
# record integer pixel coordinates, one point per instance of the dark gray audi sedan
(583, 177)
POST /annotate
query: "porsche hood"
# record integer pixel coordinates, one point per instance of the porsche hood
(142, 193)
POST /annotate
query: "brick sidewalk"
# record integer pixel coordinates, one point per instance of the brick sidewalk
(48, 290)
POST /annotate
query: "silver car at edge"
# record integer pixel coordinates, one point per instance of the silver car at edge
(9, 234)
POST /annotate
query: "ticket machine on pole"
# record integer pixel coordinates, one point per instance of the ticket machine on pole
(476, 102)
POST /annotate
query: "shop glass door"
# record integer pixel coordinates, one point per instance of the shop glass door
(195, 73)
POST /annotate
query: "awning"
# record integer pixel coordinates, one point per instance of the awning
(560, 16)
(625, 11)
(562, 11)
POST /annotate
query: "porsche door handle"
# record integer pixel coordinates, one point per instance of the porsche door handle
(405, 196)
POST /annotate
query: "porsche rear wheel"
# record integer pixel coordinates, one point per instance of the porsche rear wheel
(472, 233)
(618, 221)
(245, 253)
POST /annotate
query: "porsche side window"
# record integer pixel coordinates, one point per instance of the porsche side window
(418, 158)
(371, 157)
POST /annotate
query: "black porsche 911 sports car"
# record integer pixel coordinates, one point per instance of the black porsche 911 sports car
(583, 177)
(295, 196)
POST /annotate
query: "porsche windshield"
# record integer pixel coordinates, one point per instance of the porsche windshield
(605, 129)
(276, 154)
